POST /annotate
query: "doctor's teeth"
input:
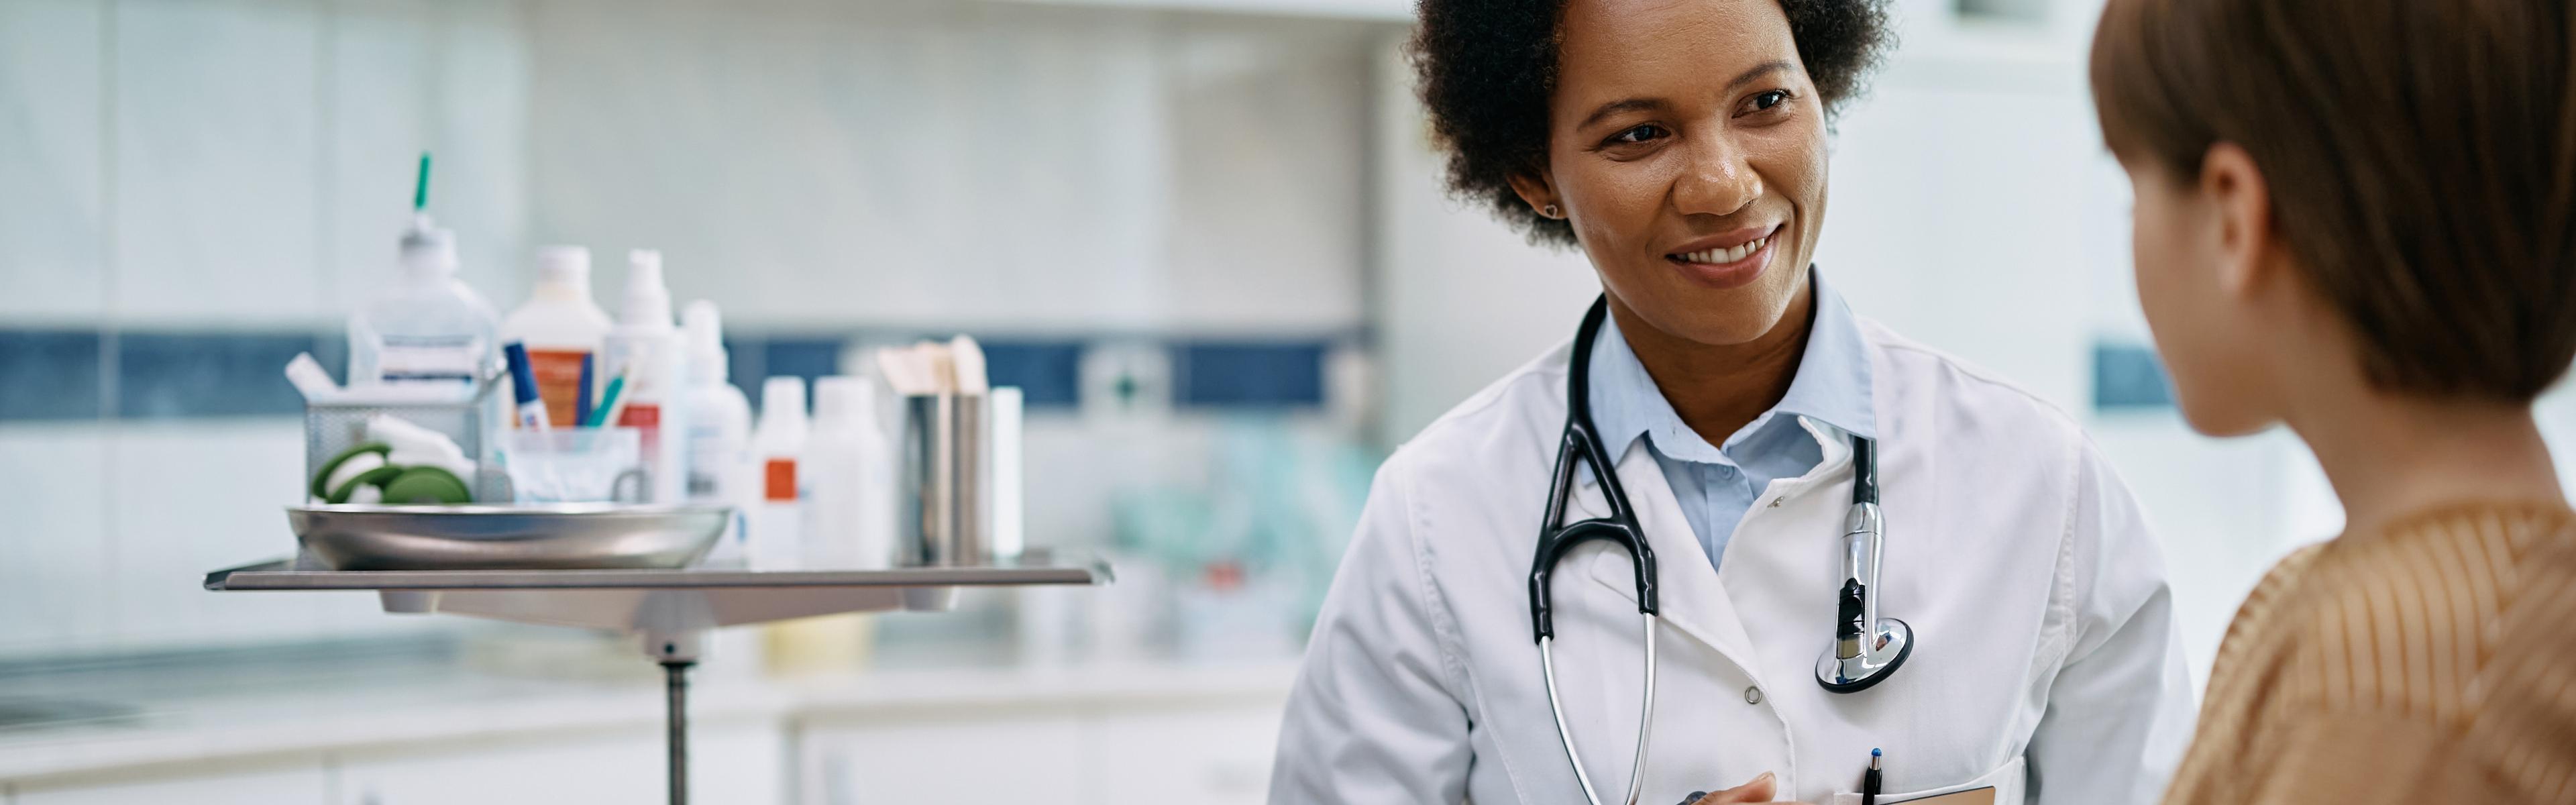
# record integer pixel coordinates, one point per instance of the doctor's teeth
(1728, 254)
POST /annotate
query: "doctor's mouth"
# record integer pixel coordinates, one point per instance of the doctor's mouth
(1729, 260)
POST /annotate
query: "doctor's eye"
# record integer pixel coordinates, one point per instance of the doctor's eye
(1766, 101)
(1636, 134)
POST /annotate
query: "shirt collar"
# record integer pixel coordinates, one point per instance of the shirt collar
(1832, 386)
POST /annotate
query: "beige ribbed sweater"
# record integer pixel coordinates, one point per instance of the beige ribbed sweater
(2432, 661)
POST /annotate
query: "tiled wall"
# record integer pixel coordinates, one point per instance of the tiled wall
(192, 191)
(172, 170)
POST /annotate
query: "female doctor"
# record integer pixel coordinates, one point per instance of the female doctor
(2020, 631)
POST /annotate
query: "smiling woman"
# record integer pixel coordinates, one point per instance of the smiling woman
(1680, 145)
(1751, 452)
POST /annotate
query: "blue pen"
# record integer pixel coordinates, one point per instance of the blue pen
(523, 388)
(581, 398)
(1869, 781)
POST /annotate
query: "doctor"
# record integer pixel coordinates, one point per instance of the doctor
(1681, 144)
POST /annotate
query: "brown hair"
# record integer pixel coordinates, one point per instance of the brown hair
(2421, 158)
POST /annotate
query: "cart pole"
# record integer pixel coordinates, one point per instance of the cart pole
(675, 674)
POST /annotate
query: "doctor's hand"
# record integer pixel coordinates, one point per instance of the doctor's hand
(1759, 789)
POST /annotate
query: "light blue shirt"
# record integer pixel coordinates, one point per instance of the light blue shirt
(1716, 484)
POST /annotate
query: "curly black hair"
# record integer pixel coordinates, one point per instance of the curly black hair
(1487, 68)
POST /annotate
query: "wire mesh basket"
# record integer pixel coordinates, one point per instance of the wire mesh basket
(331, 428)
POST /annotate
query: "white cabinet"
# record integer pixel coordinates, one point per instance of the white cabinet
(1016, 756)
(740, 764)
(1088, 753)
(294, 786)
(1209, 756)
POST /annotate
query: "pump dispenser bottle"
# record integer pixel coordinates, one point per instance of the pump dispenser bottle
(719, 429)
(645, 349)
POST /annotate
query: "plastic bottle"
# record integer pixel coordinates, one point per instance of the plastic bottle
(835, 468)
(719, 428)
(848, 519)
(775, 533)
(428, 328)
(562, 329)
(646, 348)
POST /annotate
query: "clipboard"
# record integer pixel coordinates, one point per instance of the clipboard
(1973, 796)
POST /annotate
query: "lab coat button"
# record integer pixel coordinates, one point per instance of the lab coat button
(1753, 695)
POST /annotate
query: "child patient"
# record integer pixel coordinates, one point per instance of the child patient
(2357, 218)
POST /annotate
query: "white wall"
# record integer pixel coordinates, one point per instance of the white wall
(220, 164)
(940, 164)
(245, 165)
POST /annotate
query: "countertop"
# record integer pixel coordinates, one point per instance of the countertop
(164, 716)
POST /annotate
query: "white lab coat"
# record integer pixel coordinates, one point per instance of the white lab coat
(2047, 662)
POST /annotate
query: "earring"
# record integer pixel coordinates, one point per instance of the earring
(1550, 211)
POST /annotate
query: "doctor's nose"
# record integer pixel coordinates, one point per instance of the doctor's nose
(1717, 179)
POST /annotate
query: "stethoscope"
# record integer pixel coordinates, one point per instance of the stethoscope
(1852, 664)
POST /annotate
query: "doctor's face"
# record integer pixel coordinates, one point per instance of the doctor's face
(1687, 149)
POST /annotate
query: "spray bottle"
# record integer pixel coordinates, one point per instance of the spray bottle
(645, 349)
(719, 442)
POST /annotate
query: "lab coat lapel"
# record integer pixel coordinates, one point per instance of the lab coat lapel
(1690, 596)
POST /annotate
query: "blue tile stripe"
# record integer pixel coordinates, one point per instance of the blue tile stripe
(1249, 374)
(2129, 377)
(1048, 373)
(56, 374)
(170, 375)
(1243, 374)
(50, 375)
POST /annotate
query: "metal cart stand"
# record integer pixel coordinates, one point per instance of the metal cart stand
(669, 610)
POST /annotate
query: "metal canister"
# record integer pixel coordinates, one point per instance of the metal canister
(947, 479)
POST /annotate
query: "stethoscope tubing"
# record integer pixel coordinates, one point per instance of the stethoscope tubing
(1582, 443)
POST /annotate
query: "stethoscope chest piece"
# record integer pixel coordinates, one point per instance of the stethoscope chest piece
(1866, 665)
(1867, 648)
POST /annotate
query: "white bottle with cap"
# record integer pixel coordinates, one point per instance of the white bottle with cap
(563, 330)
(719, 428)
(775, 532)
(428, 328)
(645, 349)
(849, 522)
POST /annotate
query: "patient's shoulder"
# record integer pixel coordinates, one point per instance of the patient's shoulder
(2430, 617)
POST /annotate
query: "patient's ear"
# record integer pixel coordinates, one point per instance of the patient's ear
(2249, 248)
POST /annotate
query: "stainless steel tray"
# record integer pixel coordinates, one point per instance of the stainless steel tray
(555, 537)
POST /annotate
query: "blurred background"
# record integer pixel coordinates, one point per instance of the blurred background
(1207, 237)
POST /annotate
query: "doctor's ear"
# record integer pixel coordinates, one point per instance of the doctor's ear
(1535, 191)
(2249, 248)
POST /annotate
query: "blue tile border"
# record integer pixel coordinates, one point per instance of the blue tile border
(1249, 374)
(1048, 373)
(55, 374)
(65, 374)
(174, 375)
(2129, 377)
(50, 375)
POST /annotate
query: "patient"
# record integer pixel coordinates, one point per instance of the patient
(2358, 218)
